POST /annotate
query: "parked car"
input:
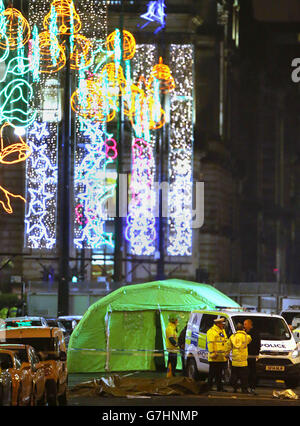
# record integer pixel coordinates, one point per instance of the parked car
(54, 322)
(69, 322)
(30, 359)
(22, 380)
(5, 388)
(14, 322)
(50, 345)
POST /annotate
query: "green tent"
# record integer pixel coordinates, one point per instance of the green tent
(125, 330)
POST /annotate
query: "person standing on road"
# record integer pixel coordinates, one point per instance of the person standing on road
(172, 344)
(218, 351)
(253, 352)
(181, 344)
(239, 342)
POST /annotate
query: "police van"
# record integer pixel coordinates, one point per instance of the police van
(279, 357)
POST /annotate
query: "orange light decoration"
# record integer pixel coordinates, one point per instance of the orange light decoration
(46, 44)
(90, 103)
(15, 24)
(130, 99)
(81, 50)
(129, 44)
(112, 80)
(163, 73)
(13, 152)
(147, 116)
(153, 123)
(67, 19)
(6, 203)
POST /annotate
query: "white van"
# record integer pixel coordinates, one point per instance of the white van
(279, 357)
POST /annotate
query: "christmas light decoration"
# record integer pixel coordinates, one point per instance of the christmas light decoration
(12, 153)
(181, 152)
(81, 52)
(52, 55)
(155, 13)
(41, 186)
(15, 23)
(162, 73)
(67, 19)
(91, 187)
(5, 199)
(140, 229)
(129, 44)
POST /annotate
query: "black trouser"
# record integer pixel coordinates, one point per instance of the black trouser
(172, 359)
(252, 372)
(182, 353)
(239, 373)
(216, 373)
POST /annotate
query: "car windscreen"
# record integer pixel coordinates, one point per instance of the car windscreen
(269, 328)
(48, 346)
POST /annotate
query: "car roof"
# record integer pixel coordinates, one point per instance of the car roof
(34, 332)
(70, 317)
(24, 318)
(13, 346)
(231, 313)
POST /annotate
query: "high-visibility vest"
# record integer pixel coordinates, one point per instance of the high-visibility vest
(217, 344)
(3, 312)
(13, 311)
(171, 332)
(239, 344)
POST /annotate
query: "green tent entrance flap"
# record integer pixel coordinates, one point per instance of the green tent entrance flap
(125, 330)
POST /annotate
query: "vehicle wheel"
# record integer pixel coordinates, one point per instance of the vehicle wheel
(191, 369)
(52, 399)
(292, 383)
(62, 399)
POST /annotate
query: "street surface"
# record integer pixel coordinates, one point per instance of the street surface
(264, 395)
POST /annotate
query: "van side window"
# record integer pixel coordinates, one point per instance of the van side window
(207, 322)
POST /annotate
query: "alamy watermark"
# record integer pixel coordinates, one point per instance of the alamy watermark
(296, 71)
(192, 194)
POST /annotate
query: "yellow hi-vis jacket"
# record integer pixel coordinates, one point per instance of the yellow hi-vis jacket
(171, 331)
(239, 342)
(217, 344)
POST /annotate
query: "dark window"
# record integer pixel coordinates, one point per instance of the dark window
(207, 322)
(5, 361)
(269, 328)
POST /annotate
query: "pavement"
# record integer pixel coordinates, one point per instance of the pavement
(265, 394)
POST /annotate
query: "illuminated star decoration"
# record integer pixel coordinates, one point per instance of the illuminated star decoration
(91, 187)
(41, 193)
(155, 13)
(39, 130)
